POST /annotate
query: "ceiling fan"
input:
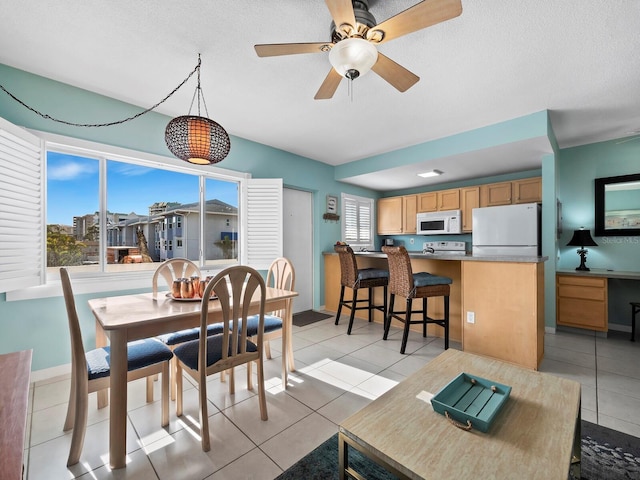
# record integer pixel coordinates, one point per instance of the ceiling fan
(355, 35)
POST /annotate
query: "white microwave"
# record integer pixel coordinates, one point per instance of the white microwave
(439, 223)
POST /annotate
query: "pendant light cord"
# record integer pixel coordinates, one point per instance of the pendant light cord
(117, 122)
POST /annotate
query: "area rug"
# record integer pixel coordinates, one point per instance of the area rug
(302, 319)
(606, 455)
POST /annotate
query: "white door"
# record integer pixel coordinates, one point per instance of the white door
(297, 229)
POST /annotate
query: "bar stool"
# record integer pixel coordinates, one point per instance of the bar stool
(409, 285)
(635, 308)
(354, 278)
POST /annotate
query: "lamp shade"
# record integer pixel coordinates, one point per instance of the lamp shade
(197, 140)
(581, 238)
(353, 57)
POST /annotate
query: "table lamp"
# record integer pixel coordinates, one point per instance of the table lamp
(582, 238)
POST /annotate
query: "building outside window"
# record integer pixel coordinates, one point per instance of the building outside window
(146, 209)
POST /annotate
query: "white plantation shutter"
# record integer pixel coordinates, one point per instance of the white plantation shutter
(357, 221)
(21, 208)
(262, 222)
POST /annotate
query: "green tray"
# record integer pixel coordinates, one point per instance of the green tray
(471, 401)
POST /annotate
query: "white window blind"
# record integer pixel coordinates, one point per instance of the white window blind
(262, 222)
(21, 208)
(357, 221)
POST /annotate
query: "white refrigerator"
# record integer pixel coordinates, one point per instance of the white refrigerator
(507, 230)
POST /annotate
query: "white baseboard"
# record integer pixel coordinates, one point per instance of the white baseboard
(49, 373)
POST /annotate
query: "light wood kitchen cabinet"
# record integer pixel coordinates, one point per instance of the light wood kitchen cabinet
(439, 200)
(397, 215)
(409, 212)
(494, 194)
(469, 199)
(390, 215)
(449, 199)
(582, 302)
(428, 202)
(527, 190)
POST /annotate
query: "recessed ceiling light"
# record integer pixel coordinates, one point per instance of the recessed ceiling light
(430, 173)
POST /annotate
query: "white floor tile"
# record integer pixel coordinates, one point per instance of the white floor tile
(337, 374)
(181, 456)
(254, 465)
(294, 443)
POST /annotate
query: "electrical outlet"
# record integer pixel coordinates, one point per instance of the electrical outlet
(471, 317)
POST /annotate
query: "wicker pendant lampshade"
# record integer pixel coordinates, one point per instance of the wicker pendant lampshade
(197, 139)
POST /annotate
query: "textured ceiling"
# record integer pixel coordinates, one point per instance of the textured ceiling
(499, 60)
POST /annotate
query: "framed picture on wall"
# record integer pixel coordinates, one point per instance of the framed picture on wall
(332, 204)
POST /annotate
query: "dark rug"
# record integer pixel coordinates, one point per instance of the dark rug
(606, 455)
(302, 319)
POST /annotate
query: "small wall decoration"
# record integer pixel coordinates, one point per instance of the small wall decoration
(332, 204)
(332, 209)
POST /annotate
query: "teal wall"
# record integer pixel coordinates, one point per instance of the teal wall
(567, 175)
(41, 324)
(578, 167)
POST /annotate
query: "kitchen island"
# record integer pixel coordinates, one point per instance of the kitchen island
(504, 294)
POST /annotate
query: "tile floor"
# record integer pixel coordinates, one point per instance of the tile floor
(336, 375)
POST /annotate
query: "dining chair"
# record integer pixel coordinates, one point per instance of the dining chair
(408, 285)
(281, 275)
(90, 372)
(169, 271)
(235, 287)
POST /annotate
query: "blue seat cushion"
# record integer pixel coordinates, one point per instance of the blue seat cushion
(182, 336)
(271, 324)
(140, 353)
(188, 352)
(369, 273)
(424, 279)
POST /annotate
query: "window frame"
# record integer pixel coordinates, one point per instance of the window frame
(92, 282)
(349, 200)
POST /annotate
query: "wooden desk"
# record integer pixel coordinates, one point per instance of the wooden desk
(132, 317)
(582, 297)
(535, 434)
(15, 369)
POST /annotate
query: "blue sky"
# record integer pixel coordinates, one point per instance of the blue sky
(72, 188)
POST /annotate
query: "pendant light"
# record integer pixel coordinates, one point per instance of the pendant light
(197, 139)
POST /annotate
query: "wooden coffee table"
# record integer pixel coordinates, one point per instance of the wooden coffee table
(535, 435)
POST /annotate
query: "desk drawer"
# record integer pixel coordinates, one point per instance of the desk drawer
(582, 302)
(582, 313)
(587, 293)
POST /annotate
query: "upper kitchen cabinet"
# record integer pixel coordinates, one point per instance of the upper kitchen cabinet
(527, 190)
(397, 215)
(469, 199)
(494, 194)
(428, 202)
(439, 200)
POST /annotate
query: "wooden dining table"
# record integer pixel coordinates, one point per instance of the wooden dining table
(122, 319)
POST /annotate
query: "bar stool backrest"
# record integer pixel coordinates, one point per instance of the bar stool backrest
(400, 272)
(348, 265)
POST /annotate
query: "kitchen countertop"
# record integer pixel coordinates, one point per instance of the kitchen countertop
(456, 256)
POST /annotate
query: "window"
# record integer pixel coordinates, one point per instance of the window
(102, 223)
(357, 221)
(142, 205)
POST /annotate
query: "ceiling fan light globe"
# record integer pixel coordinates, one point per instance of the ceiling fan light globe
(353, 54)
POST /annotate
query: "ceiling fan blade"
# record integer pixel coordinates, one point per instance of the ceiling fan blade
(421, 15)
(275, 49)
(329, 86)
(398, 76)
(342, 12)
